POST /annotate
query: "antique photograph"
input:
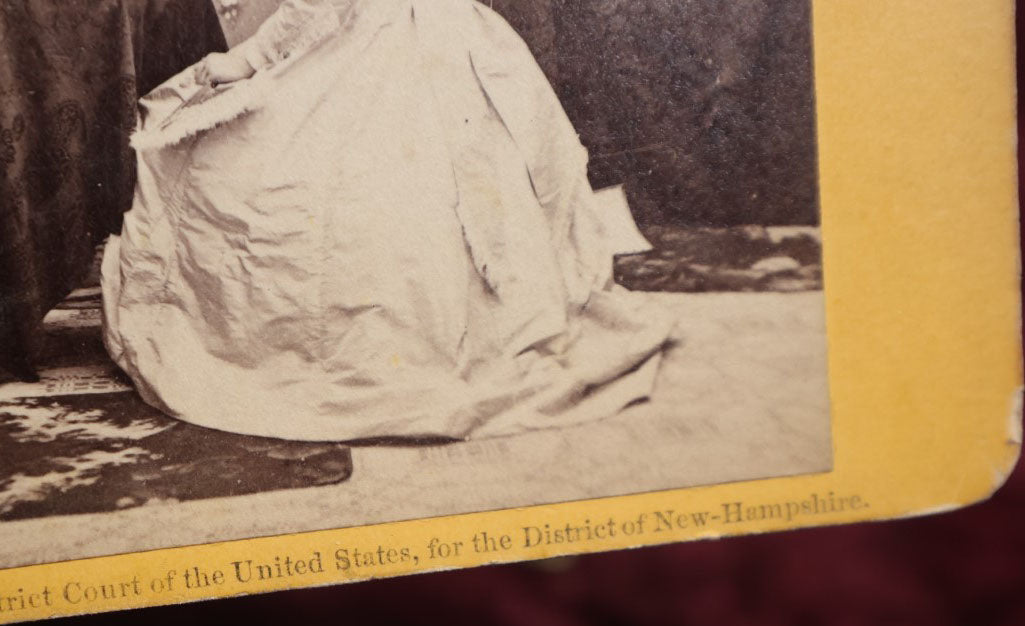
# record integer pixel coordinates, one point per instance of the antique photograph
(273, 266)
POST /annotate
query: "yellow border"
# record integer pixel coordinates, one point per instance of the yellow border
(916, 114)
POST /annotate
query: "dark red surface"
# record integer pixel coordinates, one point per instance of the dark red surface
(966, 568)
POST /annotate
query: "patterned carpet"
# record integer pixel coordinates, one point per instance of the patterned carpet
(746, 258)
(80, 440)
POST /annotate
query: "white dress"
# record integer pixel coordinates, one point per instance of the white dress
(398, 241)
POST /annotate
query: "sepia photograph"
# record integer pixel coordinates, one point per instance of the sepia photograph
(276, 266)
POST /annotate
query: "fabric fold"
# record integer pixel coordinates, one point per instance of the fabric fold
(400, 241)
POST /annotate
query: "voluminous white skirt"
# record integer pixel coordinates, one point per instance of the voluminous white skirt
(400, 241)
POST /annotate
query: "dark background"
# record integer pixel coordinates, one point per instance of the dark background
(966, 567)
(705, 110)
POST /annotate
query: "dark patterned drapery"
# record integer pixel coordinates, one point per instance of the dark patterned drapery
(71, 72)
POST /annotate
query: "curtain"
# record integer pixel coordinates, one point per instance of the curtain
(71, 72)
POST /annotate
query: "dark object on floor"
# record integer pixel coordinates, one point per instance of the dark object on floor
(70, 76)
(103, 452)
(740, 258)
